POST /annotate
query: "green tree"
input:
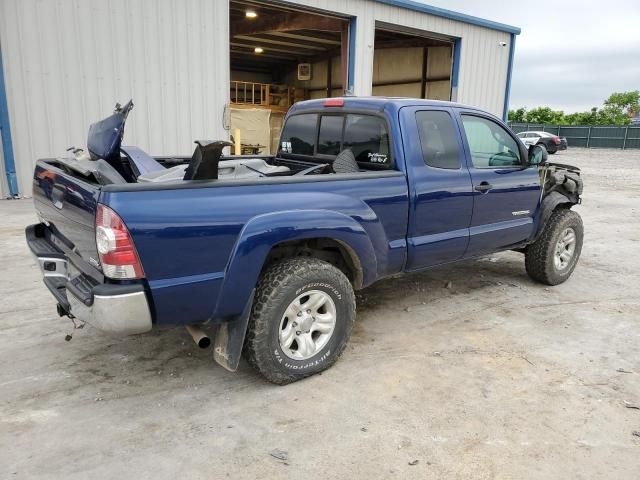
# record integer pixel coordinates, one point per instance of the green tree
(545, 115)
(616, 111)
(627, 102)
(518, 116)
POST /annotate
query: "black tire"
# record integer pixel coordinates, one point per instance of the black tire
(553, 152)
(540, 255)
(278, 287)
(540, 144)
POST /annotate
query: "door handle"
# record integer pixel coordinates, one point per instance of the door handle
(484, 187)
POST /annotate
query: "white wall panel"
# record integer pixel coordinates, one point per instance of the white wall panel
(67, 62)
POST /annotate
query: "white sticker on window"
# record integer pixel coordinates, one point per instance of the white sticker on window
(377, 158)
(286, 147)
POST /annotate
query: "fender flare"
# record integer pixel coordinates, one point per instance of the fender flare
(263, 232)
(548, 205)
(255, 242)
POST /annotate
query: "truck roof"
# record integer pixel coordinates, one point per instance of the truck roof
(373, 103)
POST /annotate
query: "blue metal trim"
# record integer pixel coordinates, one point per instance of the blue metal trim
(457, 45)
(351, 67)
(5, 131)
(507, 92)
(442, 12)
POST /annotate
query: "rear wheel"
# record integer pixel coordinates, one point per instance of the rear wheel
(552, 258)
(302, 317)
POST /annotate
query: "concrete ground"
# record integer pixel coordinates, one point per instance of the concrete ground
(495, 377)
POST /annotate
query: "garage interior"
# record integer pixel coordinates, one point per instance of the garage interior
(411, 65)
(282, 55)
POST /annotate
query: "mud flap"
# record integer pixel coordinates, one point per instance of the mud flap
(229, 339)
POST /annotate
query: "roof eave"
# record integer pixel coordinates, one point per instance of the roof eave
(444, 13)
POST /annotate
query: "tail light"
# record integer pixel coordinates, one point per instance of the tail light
(117, 252)
(334, 102)
(556, 140)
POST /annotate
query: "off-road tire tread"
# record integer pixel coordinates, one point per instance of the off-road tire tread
(537, 255)
(271, 287)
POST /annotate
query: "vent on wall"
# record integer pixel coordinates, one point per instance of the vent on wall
(304, 71)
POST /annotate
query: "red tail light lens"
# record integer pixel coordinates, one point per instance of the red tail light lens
(556, 140)
(334, 102)
(117, 252)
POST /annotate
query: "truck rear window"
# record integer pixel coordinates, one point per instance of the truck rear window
(299, 135)
(366, 135)
(330, 135)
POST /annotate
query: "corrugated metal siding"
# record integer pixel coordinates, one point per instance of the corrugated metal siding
(67, 62)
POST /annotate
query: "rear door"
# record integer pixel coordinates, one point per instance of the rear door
(506, 192)
(439, 185)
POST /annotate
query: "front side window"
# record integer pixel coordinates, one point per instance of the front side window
(438, 139)
(299, 134)
(368, 138)
(490, 144)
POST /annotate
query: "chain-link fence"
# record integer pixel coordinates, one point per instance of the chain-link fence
(596, 136)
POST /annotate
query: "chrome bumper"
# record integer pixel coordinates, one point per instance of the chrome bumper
(126, 314)
(115, 309)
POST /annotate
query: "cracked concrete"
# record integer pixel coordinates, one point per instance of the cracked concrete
(490, 376)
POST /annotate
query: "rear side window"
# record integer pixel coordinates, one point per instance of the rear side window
(299, 134)
(330, 135)
(438, 139)
(368, 138)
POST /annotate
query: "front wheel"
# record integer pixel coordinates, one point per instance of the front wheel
(302, 317)
(552, 258)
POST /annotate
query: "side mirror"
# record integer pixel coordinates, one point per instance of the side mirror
(537, 155)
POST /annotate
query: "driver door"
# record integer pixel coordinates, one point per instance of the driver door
(506, 192)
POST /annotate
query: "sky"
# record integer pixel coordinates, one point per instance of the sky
(571, 54)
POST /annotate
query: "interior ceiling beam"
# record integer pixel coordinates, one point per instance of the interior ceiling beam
(286, 22)
(334, 52)
(417, 42)
(306, 38)
(443, 78)
(261, 40)
(262, 58)
(266, 49)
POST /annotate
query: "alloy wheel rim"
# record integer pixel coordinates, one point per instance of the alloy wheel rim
(307, 325)
(565, 249)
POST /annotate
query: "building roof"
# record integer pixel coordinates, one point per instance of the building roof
(450, 14)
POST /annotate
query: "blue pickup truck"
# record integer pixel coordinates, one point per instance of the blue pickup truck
(265, 252)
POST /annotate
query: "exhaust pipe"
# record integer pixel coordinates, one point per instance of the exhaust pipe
(199, 336)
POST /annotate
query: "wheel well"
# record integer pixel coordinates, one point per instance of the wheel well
(330, 250)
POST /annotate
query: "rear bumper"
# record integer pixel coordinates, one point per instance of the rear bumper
(124, 314)
(112, 308)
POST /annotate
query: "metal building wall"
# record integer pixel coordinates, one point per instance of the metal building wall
(67, 61)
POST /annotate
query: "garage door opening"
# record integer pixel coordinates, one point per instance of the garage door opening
(411, 65)
(280, 56)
